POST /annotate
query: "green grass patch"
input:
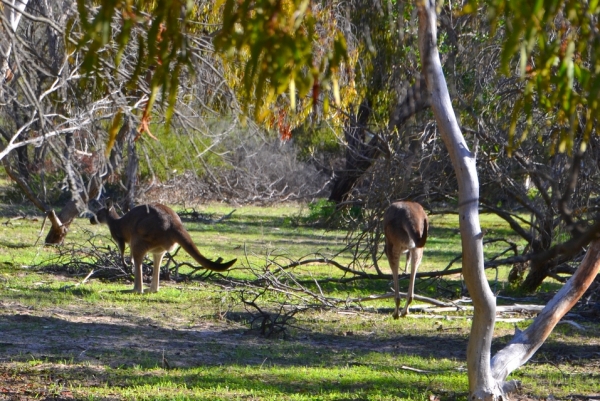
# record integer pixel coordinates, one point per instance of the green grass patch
(98, 340)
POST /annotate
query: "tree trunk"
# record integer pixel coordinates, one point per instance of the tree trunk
(133, 162)
(539, 269)
(478, 351)
(487, 376)
(360, 156)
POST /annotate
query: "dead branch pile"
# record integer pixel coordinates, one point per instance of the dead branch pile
(276, 293)
(258, 172)
(99, 260)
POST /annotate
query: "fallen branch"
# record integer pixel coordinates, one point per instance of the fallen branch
(202, 217)
(403, 295)
(80, 283)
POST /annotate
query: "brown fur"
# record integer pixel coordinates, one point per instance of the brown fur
(153, 228)
(405, 226)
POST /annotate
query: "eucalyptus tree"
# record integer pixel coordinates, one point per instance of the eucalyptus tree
(536, 128)
(547, 195)
(487, 375)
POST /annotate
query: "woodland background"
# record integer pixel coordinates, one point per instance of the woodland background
(320, 102)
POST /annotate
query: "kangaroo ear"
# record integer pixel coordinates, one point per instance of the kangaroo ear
(109, 204)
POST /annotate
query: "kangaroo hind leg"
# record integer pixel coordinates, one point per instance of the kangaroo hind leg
(393, 255)
(158, 257)
(138, 279)
(414, 255)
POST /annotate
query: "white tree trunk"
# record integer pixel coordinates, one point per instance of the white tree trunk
(13, 12)
(463, 160)
(486, 376)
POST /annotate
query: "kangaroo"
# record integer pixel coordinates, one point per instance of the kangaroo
(153, 228)
(405, 226)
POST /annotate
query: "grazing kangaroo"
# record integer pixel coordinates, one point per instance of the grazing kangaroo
(153, 228)
(405, 226)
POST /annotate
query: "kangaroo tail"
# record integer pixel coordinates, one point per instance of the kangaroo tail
(420, 242)
(185, 241)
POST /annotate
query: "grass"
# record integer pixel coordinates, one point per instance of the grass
(190, 341)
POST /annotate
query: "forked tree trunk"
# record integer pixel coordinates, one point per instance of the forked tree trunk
(486, 375)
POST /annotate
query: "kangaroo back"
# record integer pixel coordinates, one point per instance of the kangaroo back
(418, 231)
(408, 221)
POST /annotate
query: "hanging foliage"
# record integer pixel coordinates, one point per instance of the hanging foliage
(161, 42)
(556, 47)
(276, 43)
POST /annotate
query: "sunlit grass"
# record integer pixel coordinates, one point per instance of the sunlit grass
(323, 356)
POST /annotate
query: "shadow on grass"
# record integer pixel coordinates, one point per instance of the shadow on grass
(209, 359)
(213, 355)
(135, 340)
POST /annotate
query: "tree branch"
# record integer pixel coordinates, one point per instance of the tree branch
(525, 343)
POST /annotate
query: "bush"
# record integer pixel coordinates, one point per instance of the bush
(320, 211)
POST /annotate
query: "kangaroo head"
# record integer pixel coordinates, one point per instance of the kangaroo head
(103, 215)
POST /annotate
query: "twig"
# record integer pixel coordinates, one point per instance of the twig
(80, 283)
(86, 278)
(415, 369)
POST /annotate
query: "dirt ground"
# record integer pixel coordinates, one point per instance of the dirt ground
(73, 336)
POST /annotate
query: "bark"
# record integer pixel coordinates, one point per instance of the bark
(481, 381)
